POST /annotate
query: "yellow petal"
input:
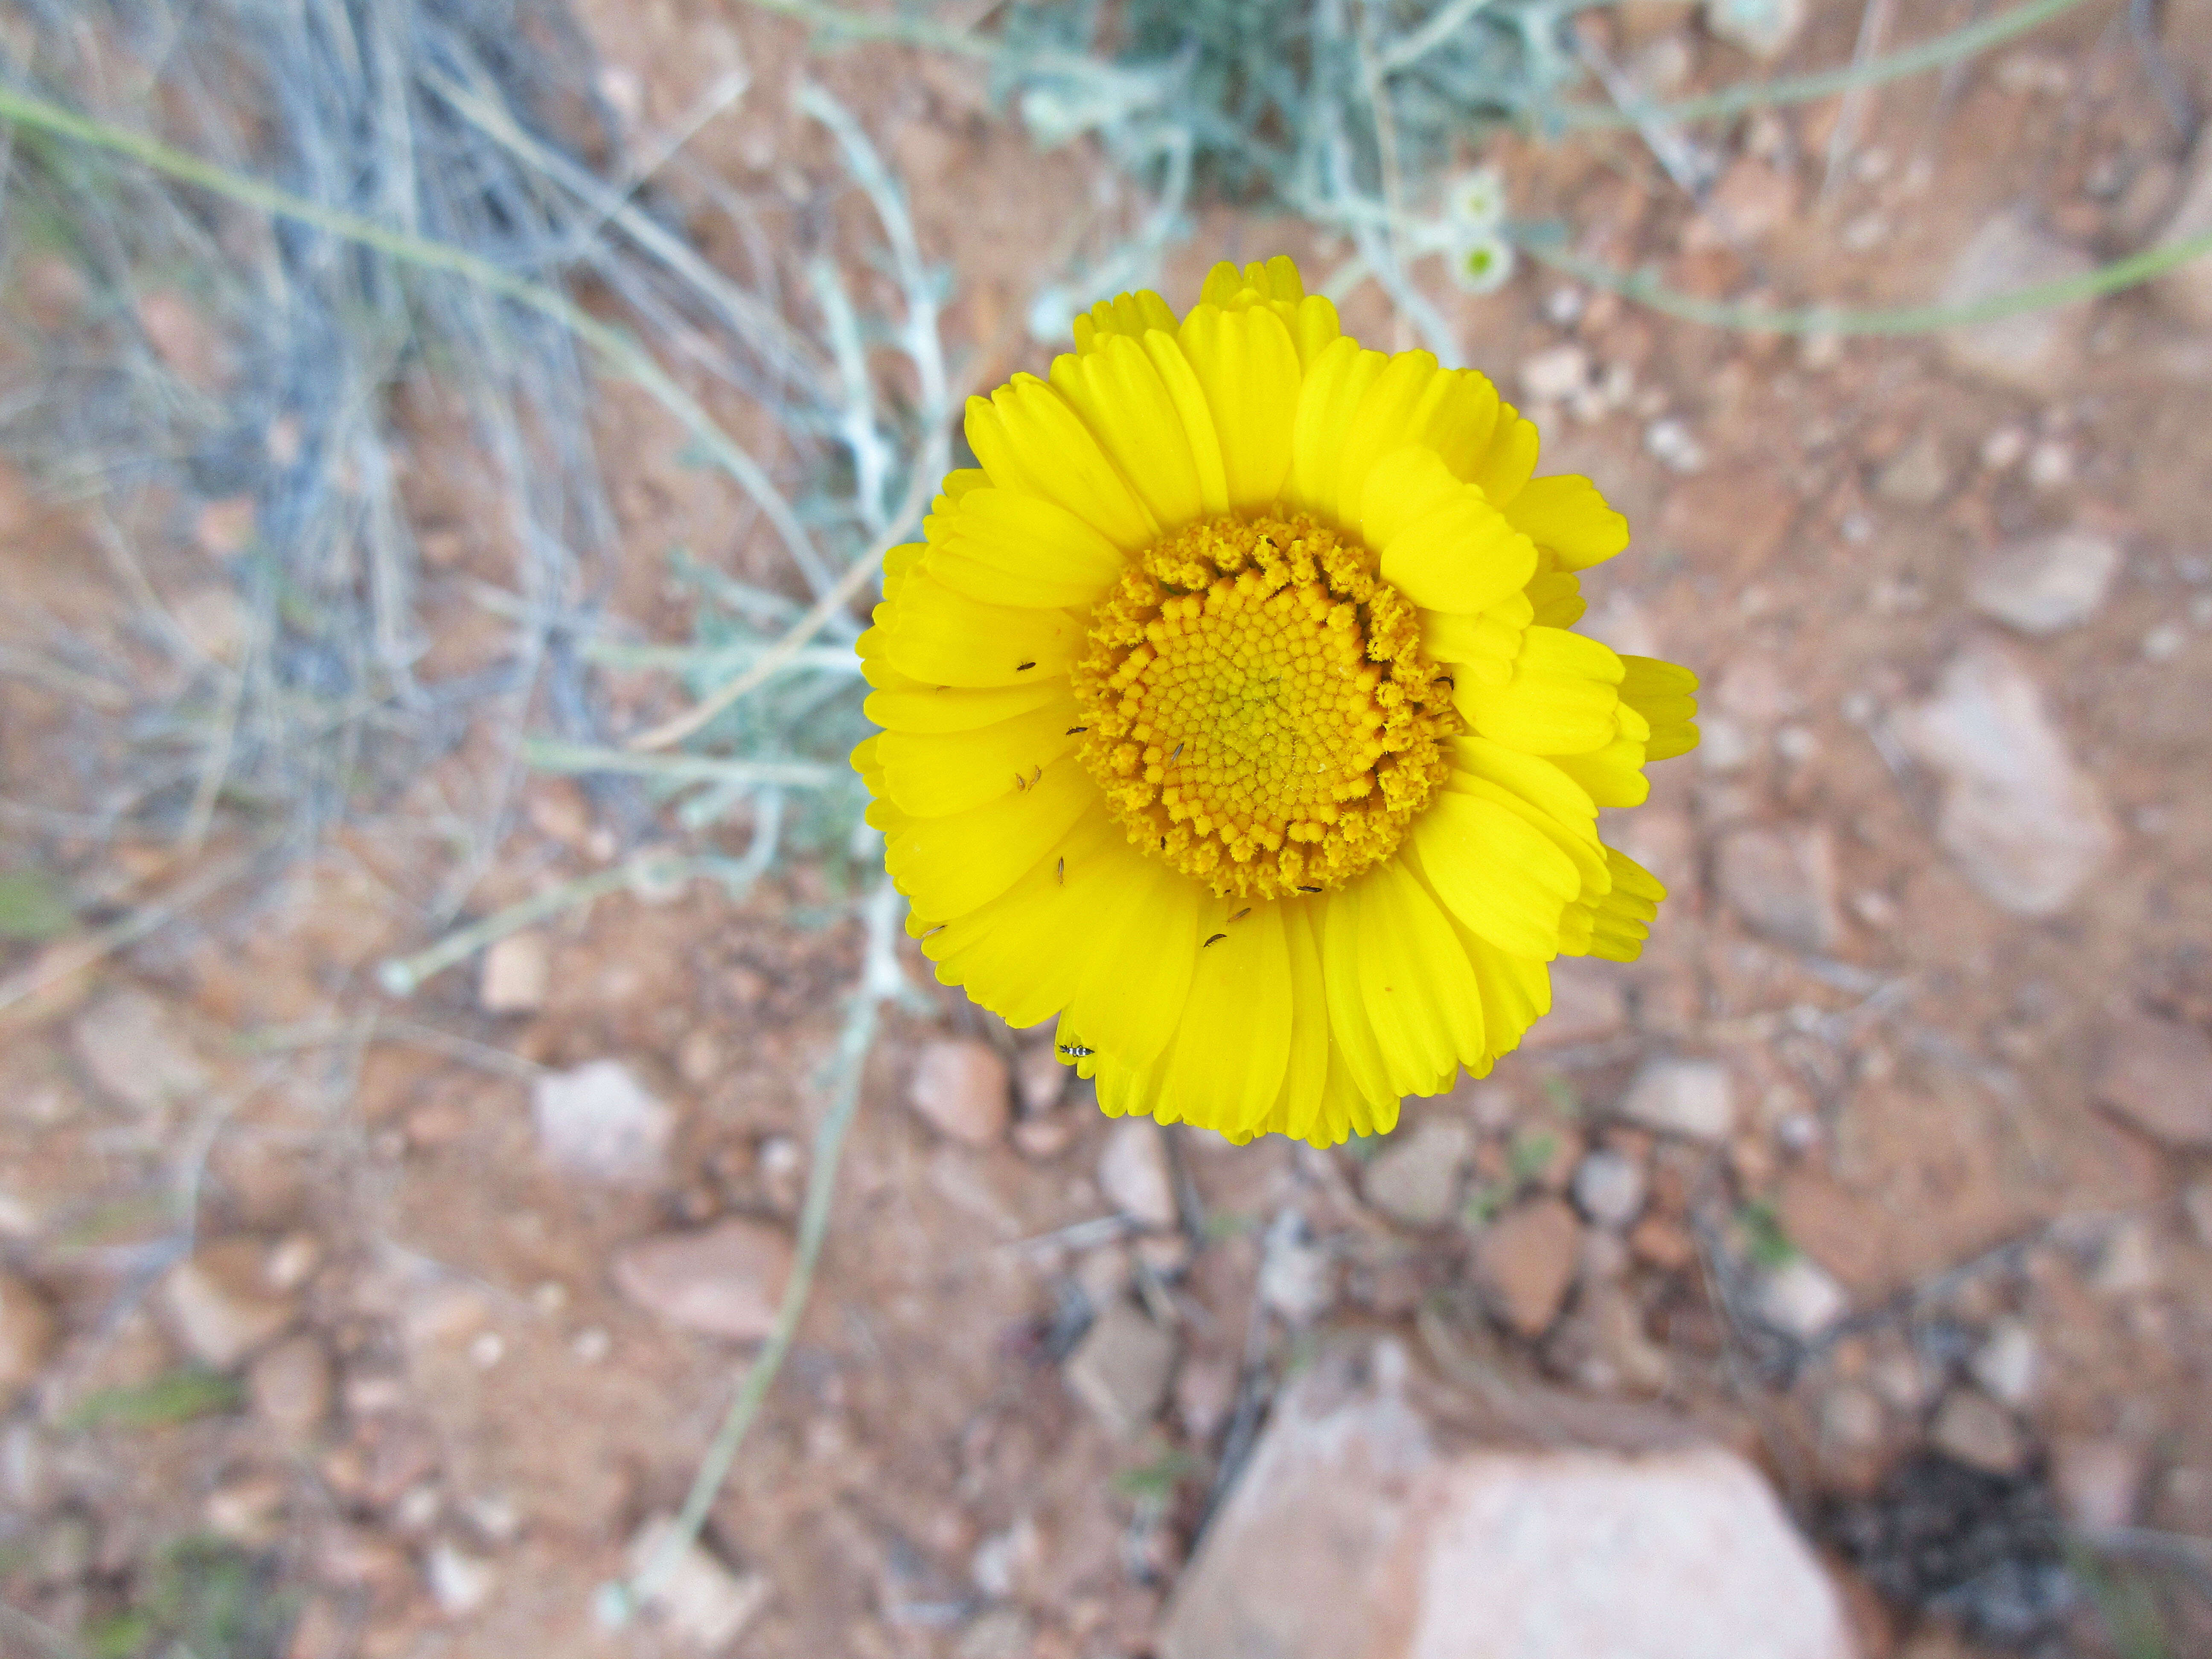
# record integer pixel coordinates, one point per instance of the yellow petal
(1129, 315)
(1421, 993)
(1028, 439)
(942, 709)
(1127, 407)
(1568, 516)
(1005, 547)
(930, 774)
(1329, 397)
(1351, 1035)
(1227, 1064)
(1248, 368)
(1441, 544)
(1498, 873)
(940, 637)
(1188, 392)
(947, 867)
(1510, 460)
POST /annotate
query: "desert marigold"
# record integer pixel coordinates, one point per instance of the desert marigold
(1231, 715)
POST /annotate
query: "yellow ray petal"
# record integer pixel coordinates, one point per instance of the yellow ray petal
(947, 867)
(1422, 997)
(1248, 368)
(1229, 1052)
(1568, 516)
(1496, 872)
(1122, 398)
(943, 638)
(1329, 397)
(1130, 315)
(1028, 439)
(930, 774)
(1005, 547)
(1454, 552)
(941, 708)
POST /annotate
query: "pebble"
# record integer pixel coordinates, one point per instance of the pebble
(134, 1048)
(2006, 1363)
(1765, 28)
(1977, 1431)
(1919, 475)
(1554, 374)
(597, 1122)
(1692, 1098)
(1415, 1179)
(959, 1090)
(1664, 1243)
(29, 1333)
(1205, 1394)
(1525, 1261)
(724, 1280)
(248, 1512)
(2128, 1264)
(518, 972)
(1122, 1368)
(697, 1599)
(2186, 291)
(2038, 352)
(1040, 1079)
(2045, 585)
(1800, 1298)
(221, 1305)
(1132, 1172)
(1609, 1187)
(1852, 1418)
(290, 1386)
(1356, 1528)
(1298, 1274)
(1043, 1138)
(2157, 1074)
(1781, 881)
(2097, 1482)
(1589, 1004)
(2026, 826)
(1669, 441)
(460, 1584)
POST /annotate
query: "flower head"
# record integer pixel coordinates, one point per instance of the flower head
(1231, 715)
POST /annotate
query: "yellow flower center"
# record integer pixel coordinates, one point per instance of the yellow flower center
(1258, 709)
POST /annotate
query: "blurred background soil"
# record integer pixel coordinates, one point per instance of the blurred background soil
(1896, 1140)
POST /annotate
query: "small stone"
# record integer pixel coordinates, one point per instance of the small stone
(1670, 442)
(1001, 1633)
(1357, 1528)
(1415, 1181)
(1589, 1004)
(1525, 1261)
(2026, 827)
(1800, 1298)
(1298, 1275)
(1919, 475)
(1205, 1394)
(2046, 585)
(1132, 1172)
(2097, 1482)
(2128, 1264)
(1609, 1185)
(1554, 374)
(2197, 1205)
(1851, 1417)
(959, 1088)
(29, 1333)
(1123, 1368)
(1040, 1079)
(221, 1304)
(518, 970)
(2157, 1073)
(696, 1599)
(2037, 351)
(1692, 1098)
(1978, 1432)
(598, 1122)
(460, 1584)
(2164, 642)
(290, 1386)
(1782, 882)
(725, 1281)
(136, 1051)
(2005, 1364)
(1765, 28)
(248, 1512)
(2186, 291)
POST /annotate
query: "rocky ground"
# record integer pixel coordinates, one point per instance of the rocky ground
(1866, 1222)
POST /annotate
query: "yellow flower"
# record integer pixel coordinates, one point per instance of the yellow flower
(1231, 715)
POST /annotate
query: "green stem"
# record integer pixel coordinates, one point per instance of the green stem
(1647, 290)
(1801, 88)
